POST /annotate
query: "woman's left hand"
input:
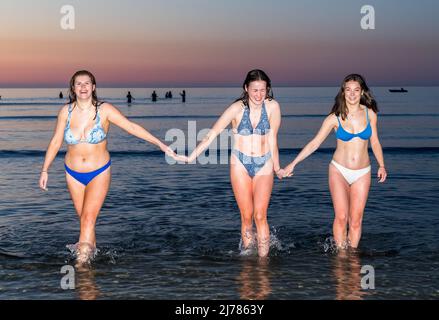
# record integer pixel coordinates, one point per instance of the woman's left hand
(382, 174)
(280, 174)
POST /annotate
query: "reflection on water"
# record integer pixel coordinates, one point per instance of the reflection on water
(254, 279)
(347, 275)
(86, 287)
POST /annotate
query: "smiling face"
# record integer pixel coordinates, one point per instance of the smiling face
(352, 93)
(83, 87)
(257, 91)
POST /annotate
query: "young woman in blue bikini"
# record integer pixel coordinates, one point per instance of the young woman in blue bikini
(354, 120)
(83, 124)
(255, 119)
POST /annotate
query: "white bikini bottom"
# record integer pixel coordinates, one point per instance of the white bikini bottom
(350, 175)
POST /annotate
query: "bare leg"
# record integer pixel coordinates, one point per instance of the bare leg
(340, 199)
(358, 198)
(95, 194)
(242, 188)
(77, 192)
(262, 187)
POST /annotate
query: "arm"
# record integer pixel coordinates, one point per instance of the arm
(328, 125)
(376, 147)
(275, 121)
(219, 126)
(116, 117)
(54, 146)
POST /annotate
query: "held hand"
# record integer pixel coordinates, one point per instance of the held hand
(280, 173)
(43, 180)
(180, 158)
(382, 174)
(167, 150)
(288, 171)
(191, 157)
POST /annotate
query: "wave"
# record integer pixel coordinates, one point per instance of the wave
(158, 153)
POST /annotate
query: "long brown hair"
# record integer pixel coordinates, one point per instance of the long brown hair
(367, 99)
(255, 75)
(94, 96)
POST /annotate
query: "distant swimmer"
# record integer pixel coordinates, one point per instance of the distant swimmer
(61, 96)
(154, 96)
(353, 118)
(183, 96)
(87, 161)
(129, 97)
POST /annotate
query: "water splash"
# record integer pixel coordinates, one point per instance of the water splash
(275, 245)
(84, 253)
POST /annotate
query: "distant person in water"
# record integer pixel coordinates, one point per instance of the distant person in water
(61, 96)
(83, 124)
(129, 97)
(255, 118)
(353, 118)
(154, 96)
(170, 95)
(183, 96)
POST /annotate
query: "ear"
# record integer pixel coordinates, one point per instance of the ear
(245, 88)
(94, 87)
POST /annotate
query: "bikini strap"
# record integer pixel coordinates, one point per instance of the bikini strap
(367, 114)
(70, 114)
(338, 119)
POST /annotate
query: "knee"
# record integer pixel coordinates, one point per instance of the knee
(88, 218)
(355, 224)
(246, 217)
(341, 219)
(260, 216)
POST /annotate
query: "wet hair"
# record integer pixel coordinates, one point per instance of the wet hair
(94, 96)
(255, 75)
(340, 108)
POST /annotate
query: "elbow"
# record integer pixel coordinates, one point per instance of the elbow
(55, 144)
(313, 146)
(375, 144)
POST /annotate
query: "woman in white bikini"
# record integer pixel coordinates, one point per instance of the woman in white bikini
(354, 120)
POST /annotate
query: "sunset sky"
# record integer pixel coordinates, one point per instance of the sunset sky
(129, 43)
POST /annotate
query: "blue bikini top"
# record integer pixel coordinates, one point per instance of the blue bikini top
(97, 133)
(245, 127)
(343, 135)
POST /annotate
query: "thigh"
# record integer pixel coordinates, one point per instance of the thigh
(340, 190)
(242, 186)
(96, 191)
(77, 193)
(358, 196)
(262, 187)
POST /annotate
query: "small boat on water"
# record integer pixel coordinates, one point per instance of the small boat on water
(398, 90)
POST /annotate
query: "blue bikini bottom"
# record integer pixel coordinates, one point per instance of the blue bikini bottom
(252, 164)
(86, 177)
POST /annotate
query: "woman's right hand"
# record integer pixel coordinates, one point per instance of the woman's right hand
(289, 170)
(43, 180)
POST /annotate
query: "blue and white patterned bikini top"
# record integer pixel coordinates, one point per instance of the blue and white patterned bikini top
(344, 135)
(245, 127)
(97, 133)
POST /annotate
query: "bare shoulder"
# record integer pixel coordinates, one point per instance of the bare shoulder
(372, 114)
(331, 119)
(272, 105)
(64, 111)
(235, 107)
(108, 108)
